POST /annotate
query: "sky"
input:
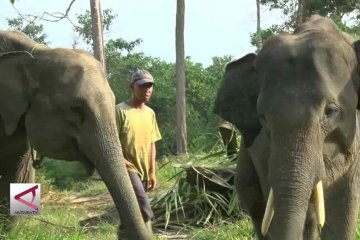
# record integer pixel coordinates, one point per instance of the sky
(212, 27)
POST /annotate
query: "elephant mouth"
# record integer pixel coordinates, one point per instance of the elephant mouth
(317, 198)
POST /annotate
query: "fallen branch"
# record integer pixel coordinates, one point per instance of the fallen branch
(54, 224)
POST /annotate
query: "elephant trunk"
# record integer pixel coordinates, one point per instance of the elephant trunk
(104, 150)
(294, 177)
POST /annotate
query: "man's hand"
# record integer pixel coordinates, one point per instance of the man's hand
(152, 182)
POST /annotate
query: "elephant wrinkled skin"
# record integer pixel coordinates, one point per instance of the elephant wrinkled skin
(296, 105)
(59, 102)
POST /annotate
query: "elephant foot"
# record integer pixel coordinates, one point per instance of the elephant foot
(124, 234)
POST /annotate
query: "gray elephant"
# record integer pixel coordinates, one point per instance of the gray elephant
(59, 102)
(296, 105)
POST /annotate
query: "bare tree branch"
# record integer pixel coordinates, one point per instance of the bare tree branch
(46, 16)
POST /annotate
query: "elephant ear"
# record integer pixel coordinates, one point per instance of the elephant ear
(13, 96)
(356, 45)
(237, 97)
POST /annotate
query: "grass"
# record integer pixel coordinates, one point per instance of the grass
(58, 222)
(64, 206)
(227, 231)
(69, 197)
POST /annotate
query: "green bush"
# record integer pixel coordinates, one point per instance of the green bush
(61, 174)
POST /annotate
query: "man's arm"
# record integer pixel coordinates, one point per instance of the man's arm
(152, 173)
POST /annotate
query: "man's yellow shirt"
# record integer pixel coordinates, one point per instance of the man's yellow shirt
(137, 130)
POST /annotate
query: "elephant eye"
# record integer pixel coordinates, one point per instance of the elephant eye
(331, 110)
(78, 115)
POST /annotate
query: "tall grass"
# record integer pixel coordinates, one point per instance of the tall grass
(58, 222)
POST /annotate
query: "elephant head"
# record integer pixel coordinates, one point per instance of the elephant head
(59, 102)
(295, 104)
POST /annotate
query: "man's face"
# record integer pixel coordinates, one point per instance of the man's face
(143, 92)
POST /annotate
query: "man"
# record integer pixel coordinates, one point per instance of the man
(138, 132)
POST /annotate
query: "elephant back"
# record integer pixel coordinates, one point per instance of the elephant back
(15, 41)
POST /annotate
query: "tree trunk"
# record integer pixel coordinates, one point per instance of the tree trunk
(258, 29)
(303, 11)
(181, 135)
(97, 32)
(306, 10)
(299, 13)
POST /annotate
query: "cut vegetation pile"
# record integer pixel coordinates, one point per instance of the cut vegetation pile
(202, 194)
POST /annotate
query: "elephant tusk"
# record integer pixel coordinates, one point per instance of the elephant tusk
(269, 213)
(319, 203)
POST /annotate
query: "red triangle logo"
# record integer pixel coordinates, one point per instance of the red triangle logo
(29, 204)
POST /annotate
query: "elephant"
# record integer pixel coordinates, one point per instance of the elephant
(58, 101)
(296, 106)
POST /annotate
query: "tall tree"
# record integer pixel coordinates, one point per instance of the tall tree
(84, 26)
(258, 28)
(97, 31)
(303, 11)
(181, 133)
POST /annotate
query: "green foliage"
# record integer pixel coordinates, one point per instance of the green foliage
(32, 29)
(61, 173)
(121, 44)
(85, 28)
(265, 34)
(342, 25)
(324, 8)
(353, 30)
(335, 7)
(289, 9)
(337, 10)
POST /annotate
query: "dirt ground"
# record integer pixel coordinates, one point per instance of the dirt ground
(106, 212)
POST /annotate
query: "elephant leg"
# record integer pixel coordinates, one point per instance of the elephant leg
(341, 206)
(89, 168)
(19, 170)
(16, 165)
(249, 190)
